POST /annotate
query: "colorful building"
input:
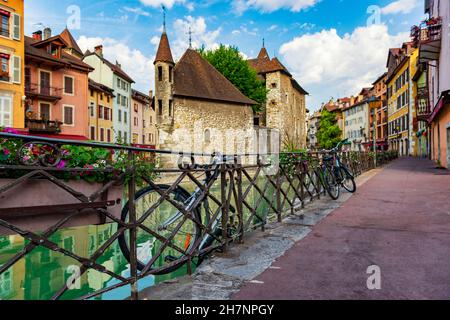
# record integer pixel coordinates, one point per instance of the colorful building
(356, 119)
(378, 121)
(56, 85)
(433, 81)
(101, 103)
(112, 76)
(402, 127)
(143, 116)
(12, 48)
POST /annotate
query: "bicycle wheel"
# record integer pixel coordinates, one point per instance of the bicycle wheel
(348, 182)
(148, 244)
(331, 184)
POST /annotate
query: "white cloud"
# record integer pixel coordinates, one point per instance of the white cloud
(272, 5)
(200, 35)
(330, 65)
(137, 11)
(167, 3)
(272, 27)
(400, 6)
(136, 64)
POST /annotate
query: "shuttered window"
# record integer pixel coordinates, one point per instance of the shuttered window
(68, 85)
(5, 111)
(16, 27)
(16, 76)
(68, 115)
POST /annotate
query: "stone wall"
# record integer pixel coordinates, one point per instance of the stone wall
(205, 127)
(286, 109)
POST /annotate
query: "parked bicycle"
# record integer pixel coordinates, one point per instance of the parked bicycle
(165, 222)
(335, 174)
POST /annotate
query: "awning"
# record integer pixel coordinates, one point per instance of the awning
(55, 136)
(443, 100)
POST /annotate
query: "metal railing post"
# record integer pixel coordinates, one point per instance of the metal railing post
(132, 222)
(225, 205)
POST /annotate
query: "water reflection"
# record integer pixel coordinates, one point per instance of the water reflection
(41, 273)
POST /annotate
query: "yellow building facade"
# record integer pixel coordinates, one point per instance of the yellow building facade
(12, 55)
(401, 104)
(101, 101)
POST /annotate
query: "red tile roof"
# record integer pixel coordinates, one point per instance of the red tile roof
(164, 53)
(197, 78)
(69, 39)
(40, 53)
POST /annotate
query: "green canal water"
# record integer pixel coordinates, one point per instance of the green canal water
(41, 273)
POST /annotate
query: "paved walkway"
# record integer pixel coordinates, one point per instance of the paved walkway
(399, 221)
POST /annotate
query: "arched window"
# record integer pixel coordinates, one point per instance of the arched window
(207, 136)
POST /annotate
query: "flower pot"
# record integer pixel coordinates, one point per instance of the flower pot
(38, 193)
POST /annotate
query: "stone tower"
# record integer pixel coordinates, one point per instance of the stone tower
(164, 87)
(164, 79)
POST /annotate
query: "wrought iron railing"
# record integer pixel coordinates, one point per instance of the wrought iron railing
(242, 192)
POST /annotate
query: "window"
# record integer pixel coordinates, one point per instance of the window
(143, 139)
(124, 101)
(125, 137)
(136, 107)
(207, 136)
(16, 69)
(16, 27)
(108, 98)
(125, 117)
(100, 112)
(106, 112)
(143, 124)
(118, 98)
(118, 83)
(160, 107)
(45, 111)
(120, 116)
(4, 72)
(92, 93)
(92, 134)
(68, 85)
(160, 73)
(5, 111)
(101, 96)
(92, 109)
(170, 74)
(274, 85)
(102, 134)
(4, 25)
(170, 108)
(68, 115)
(109, 135)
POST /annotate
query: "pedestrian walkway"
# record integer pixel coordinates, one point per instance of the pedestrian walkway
(398, 221)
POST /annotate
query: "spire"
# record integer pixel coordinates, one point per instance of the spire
(164, 54)
(190, 38)
(263, 54)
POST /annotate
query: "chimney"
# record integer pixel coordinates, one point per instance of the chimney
(47, 33)
(37, 35)
(99, 50)
(118, 64)
(150, 94)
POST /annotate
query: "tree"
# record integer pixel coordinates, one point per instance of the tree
(329, 134)
(229, 62)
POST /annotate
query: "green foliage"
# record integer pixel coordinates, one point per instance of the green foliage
(102, 164)
(329, 133)
(229, 62)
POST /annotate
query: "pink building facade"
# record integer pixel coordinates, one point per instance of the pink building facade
(56, 86)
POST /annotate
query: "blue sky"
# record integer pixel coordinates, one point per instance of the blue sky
(333, 47)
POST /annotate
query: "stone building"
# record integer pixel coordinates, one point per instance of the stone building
(285, 108)
(197, 108)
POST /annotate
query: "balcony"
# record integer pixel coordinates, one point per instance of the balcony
(428, 37)
(46, 93)
(40, 126)
(423, 104)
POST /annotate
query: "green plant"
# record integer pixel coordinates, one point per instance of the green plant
(229, 62)
(329, 133)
